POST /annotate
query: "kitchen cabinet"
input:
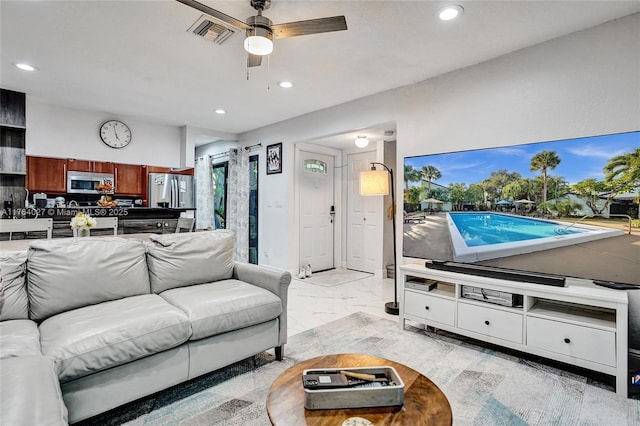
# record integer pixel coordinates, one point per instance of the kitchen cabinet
(12, 156)
(13, 161)
(129, 180)
(12, 108)
(89, 166)
(157, 169)
(47, 175)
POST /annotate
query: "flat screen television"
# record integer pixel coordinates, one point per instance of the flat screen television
(565, 208)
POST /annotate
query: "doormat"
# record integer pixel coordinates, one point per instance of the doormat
(335, 277)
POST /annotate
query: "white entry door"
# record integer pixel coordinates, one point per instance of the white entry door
(364, 244)
(316, 177)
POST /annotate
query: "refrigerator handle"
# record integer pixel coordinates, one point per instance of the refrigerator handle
(174, 193)
(177, 189)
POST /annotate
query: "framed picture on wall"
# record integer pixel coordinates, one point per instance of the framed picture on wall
(274, 158)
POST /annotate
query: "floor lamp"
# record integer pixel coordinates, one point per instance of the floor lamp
(376, 182)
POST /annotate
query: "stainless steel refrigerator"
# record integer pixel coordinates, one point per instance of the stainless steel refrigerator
(174, 191)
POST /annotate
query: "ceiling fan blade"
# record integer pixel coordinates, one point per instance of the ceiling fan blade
(253, 60)
(311, 26)
(216, 14)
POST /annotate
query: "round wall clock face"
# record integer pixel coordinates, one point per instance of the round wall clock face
(115, 134)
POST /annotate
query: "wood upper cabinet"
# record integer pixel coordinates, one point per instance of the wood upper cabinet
(129, 180)
(158, 169)
(89, 166)
(102, 167)
(12, 108)
(47, 175)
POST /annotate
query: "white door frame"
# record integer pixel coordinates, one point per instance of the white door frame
(337, 184)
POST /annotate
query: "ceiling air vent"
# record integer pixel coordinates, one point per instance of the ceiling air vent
(212, 29)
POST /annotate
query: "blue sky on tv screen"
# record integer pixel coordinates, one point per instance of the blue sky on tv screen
(581, 159)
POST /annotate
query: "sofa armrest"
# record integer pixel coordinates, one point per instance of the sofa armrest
(275, 280)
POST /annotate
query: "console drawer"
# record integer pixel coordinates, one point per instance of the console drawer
(589, 344)
(491, 322)
(430, 308)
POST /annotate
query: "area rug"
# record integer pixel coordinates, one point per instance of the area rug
(334, 277)
(483, 385)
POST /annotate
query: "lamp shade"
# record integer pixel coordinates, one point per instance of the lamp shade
(374, 182)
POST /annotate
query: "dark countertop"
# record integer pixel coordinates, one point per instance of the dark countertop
(123, 213)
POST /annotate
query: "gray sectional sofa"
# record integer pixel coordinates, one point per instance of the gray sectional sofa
(89, 324)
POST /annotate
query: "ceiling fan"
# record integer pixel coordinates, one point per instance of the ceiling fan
(260, 30)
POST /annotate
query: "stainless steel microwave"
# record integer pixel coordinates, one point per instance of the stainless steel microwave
(87, 183)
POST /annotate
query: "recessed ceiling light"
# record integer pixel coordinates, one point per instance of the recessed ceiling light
(220, 111)
(450, 12)
(285, 84)
(25, 67)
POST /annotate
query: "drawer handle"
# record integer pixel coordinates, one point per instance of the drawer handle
(486, 322)
(567, 340)
(426, 307)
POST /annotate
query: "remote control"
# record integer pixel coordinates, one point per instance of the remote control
(616, 285)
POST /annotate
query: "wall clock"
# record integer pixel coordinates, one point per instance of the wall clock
(115, 134)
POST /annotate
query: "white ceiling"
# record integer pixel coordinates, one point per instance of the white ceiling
(136, 58)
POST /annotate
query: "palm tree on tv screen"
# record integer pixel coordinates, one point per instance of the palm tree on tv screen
(543, 161)
(410, 175)
(429, 174)
(624, 168)
(623, 172)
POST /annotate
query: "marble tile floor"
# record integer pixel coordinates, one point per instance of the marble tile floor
(311, 305)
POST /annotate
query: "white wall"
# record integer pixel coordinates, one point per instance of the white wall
(213, 148)
(582, 84)
(57, 131)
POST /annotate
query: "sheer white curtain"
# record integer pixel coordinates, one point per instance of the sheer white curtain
(238, 201)
(204, 194)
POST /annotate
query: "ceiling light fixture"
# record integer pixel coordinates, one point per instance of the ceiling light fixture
(220, 111)
(450, 12)
(259, 40)
(285, 84)
(362, 141)
(25, 67)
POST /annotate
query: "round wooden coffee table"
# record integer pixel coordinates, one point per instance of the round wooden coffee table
(424, 402)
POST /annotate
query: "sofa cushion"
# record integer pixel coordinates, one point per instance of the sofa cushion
(101, 336)
(69, 273)
(14, 303)
(179, 260)
(19, 338)
(30, 392)
(223, 306)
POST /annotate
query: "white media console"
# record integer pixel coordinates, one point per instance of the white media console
(579, 324)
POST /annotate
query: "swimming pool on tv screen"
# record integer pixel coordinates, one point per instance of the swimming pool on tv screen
(478, 236)
(478, 229)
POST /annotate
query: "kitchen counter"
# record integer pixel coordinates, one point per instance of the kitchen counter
(22, 245)
(131, 220)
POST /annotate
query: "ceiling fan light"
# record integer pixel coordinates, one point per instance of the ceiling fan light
(362, 141)
(259, 41)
